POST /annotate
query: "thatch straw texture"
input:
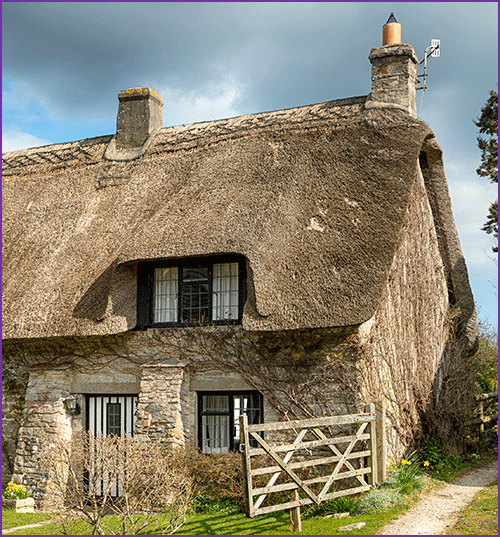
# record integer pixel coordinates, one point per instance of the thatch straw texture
(314, 197)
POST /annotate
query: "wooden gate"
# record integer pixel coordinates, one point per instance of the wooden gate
(328, 463)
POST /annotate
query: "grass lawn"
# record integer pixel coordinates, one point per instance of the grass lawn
(279, 523)
(229, 522)
(238, 524)
(481, 517)
(11, 519)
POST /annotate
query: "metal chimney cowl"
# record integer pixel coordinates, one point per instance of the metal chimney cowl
(391, 31)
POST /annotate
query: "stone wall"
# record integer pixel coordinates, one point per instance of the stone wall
(44, 417)
(10, 428)
(406, 341)
(14, 383)
(146, 364)
(163, 399)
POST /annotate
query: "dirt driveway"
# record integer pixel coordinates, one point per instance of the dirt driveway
(440, 509)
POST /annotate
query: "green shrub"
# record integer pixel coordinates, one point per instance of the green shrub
(377, 500)
(205, 505)
(435, 454)
(343, 504)
(485, 361)
(407, 477)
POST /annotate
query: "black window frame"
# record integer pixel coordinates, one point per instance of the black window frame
(146, 282)
(231, 395)
(113, 419)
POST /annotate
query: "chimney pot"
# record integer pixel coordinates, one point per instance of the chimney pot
(391, 32)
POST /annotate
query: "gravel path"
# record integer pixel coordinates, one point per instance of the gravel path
(440, 509)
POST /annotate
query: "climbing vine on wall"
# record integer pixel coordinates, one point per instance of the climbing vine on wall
(14, 394)
(17, 389)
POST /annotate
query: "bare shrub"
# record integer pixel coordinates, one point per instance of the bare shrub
(485, 361)
(452, 402)
(217, 476)
(143, 483)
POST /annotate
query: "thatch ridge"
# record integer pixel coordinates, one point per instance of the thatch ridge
(91, 150)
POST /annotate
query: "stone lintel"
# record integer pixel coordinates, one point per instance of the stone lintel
(215, 385)
(105, 388)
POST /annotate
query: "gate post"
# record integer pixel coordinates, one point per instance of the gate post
(380, 407)
(245, 459)
(370, 409)
(295, 511)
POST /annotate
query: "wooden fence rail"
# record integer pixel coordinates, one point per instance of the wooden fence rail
(482, 419)
(334, 458)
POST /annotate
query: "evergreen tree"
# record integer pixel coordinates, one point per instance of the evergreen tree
(488, 125)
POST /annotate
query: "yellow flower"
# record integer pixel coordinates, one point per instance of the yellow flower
(426, 463)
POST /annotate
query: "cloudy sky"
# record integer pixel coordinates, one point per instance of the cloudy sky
(64, 64)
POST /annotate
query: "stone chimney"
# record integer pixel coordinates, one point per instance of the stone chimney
(394, 72)
(139, 119)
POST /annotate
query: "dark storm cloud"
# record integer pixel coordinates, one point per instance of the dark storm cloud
(75, 57)
(71, 51)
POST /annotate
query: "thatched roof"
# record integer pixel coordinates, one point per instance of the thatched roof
(314, 197)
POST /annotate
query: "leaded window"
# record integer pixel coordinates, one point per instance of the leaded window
(200, 291)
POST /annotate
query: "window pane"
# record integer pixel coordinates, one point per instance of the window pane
(113, 415)
(195, 293)
(249, 405)
(216, 403)
(225, 291)
(165, 295)
(215, 423)
(215, 430)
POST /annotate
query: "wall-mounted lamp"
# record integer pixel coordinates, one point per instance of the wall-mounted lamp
(72, 405)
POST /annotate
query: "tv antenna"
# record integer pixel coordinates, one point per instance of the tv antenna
(433, 51)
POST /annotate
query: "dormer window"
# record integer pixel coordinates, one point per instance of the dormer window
(191, 291)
